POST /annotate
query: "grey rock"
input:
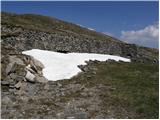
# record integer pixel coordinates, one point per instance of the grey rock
(18, 85)
(41, 79)
(110, 60)
(5, 82)
(59, 85)
(30, 77)
(83, 68)
(10, 68)
(20, 70)
(37, 63)
(6, 100)
(9, 80)
(15, 59)
(31, 69)
(81, 115)
(13, 76)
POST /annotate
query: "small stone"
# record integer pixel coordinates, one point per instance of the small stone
(15, 59)
(36, 63)
(110, 60)
(18, 85)
(59, 85)
(20, 70)
(30, 77)
(83, 68)
(4, 82)
(10, 68)
(28, 67)
(11, 86)
(20, 78)
(84, 94)
(46, 87)
(6, 100)
(22, 89)
(72, 117)
(121, 61)
(41, 79)
(81, 115)
(13, 76)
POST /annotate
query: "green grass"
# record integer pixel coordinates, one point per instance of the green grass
(136, 87)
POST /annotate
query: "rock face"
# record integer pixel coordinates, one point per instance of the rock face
(65, 37)
(18, 68)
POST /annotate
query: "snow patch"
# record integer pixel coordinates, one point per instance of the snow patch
(86, 27)
(91, 29)
(64, 66)
(80, 25)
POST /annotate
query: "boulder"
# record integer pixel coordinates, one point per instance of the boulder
(26, 59)
(41, 79)
(14, 58)
(8, 80)
(6, 100)
(37, 63)
(30, 77)
(84, 68)
(22, 88)
(5, 82)
(36, 66)
(33, 69)
(10, 68)
(18, 85)
(13, 76)
(28, 67)
(110, 60)
(20, 70)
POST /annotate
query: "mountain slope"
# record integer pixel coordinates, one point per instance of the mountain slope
(52, 34)
(106, 89)
(48, 24)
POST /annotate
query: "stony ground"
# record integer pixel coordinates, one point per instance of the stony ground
(98, 92)
(52, 100)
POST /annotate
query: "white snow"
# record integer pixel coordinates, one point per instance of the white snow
(80, 25)
(86, 27)
(91, 29)
(64, 66)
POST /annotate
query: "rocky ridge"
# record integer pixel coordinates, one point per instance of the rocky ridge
(18, 69)
(24, 32)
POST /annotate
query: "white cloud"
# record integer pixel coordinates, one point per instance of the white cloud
(149, 36)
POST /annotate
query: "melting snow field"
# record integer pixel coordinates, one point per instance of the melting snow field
(64, 66)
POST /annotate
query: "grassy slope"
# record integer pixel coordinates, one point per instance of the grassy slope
(134, 86)
(51, 25)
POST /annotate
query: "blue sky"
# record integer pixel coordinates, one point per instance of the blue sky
(124, 20)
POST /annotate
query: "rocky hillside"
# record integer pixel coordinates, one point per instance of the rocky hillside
(28, 31)
(103, 90)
